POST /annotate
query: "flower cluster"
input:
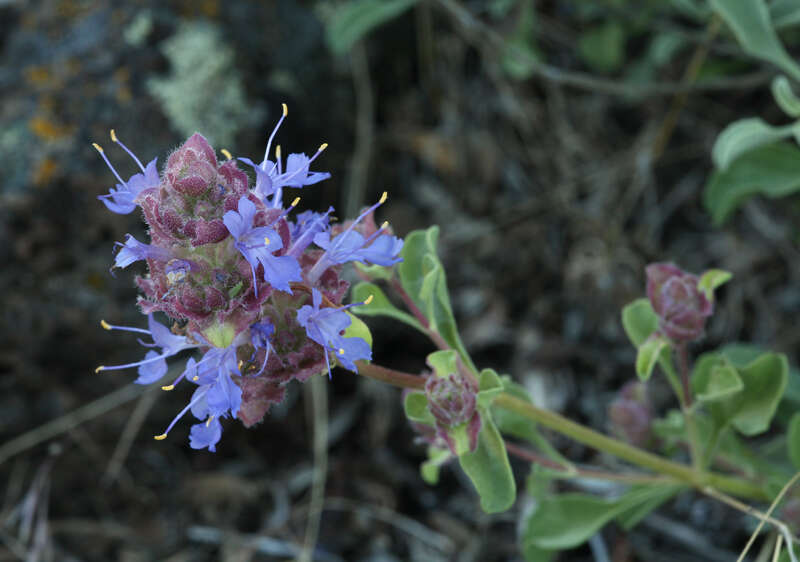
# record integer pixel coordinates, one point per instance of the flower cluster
(257, 292)
(452, 399)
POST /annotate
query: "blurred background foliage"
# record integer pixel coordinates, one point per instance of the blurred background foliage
(561, 145)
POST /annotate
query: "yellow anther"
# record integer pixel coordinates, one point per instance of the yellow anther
(341, 351)
(296, 202)
(160, 437)
(226, 154)
(384, 197)
(170, 387)
(285, 109)
(97, 147)
(113, 136)
(105, 325)
(322, 147)
(278, 152)
(368, 299)
(195, 378)
(210, 419)
(385, 225)
(241, 362)
(100, 368)
(266, 240)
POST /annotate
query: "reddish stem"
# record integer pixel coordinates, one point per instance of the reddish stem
(391, 376)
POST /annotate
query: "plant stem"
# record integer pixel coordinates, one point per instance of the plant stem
(390, 376)
(696, 478)
(574, 472)
(634, 455)
(412, 307)
(695, 449)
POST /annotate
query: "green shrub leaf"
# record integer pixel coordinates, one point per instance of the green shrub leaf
(750, 22)
(489, 470)
(743, 136)
(772, 170)
(380, 305)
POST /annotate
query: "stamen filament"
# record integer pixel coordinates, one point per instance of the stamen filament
(126, 149)
(108, 163)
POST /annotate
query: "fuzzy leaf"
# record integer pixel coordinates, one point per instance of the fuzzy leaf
(723, 382)
(423, 277)
(569, 520)
(784, 95)
(772, 170)
(489, 470)
(711, 280)
(416, 408)
(380, 305)
(648, 354)
(444, 362)
(750, 22)
(743, 136)
(750, 410)
(489, 386)
(639, 321)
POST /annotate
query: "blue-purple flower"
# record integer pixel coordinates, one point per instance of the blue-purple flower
(122, 200)
(324, 326)
(257, 244)
(153, 366)
(271, 178)
(380, 248)
(133, 250)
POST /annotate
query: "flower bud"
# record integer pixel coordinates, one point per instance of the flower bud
(681, 307)
(631, 414)
(452, 400)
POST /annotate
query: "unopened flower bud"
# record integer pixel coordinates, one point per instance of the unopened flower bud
(631, 414)
(681, 307)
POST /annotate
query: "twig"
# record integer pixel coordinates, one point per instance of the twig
(68, 421)
(764, 519)
(680, 99)
(318, 414)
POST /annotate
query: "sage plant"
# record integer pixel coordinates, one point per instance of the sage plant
(253, 290)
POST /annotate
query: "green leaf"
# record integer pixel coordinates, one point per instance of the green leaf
(743, 136)
(632, 516)
(772, 170)
(648, 354)
(358, 329)
(416, 408)
(603, 47)
(489, 470)
(375, 271)
(750, 410)
(354, 19)
(423, 278)
(793, 440)
(639, 321)
(785, 96)
(430, 468)
(511, 423)
(784, 13)
(489, 386)
(750, 22)
(711, 280)
(444, 362)
(723, 382)
(569, 520)
(380, 305)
